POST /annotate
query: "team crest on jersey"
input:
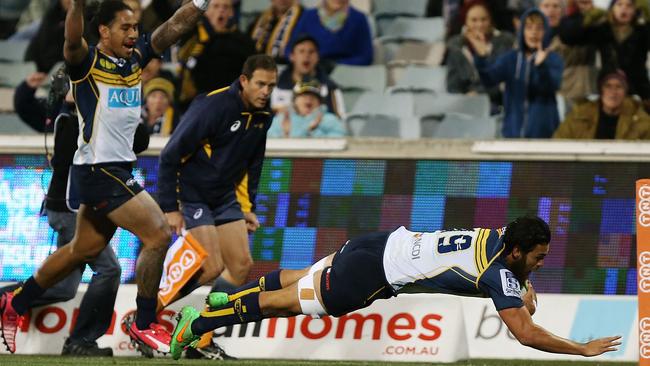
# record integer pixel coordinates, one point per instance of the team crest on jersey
(130, 182)
(235, 126)
(107, 64)
(510, 284)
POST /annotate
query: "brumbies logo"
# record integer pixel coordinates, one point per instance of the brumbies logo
(235, 126)
(107, 64)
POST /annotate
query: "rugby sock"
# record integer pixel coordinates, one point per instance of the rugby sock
(242, 310)
(25, 295)
(268, 282)
(146, 312)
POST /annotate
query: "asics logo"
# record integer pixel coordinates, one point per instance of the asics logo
(235, 126)
(198, 214)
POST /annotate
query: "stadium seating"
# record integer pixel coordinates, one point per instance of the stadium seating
(439, 104)
(459, 125)
(414, 8)
(383, 115)
(354, 80)
(6, 100)
(250, 9)
(12, 51)
(403, 29)
(12, 74)
(418, 79)
(11, 124)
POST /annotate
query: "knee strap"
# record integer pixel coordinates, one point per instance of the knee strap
(309, 303)
(317, 266)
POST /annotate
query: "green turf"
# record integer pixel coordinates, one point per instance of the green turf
(10, 360)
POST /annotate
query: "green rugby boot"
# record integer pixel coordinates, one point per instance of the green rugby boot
(216, 300)
(182, 336)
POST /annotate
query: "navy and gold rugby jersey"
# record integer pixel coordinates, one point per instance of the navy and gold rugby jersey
(107, 92)
(217, 148)
(459, 262)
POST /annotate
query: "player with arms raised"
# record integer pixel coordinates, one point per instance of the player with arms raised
(107, 88)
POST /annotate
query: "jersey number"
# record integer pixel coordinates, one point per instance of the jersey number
(453, 243)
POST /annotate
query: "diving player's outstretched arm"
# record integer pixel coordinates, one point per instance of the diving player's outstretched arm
(530, 334)
(183, 20)
(75, 47)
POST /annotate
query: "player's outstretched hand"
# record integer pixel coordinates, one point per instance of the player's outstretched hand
(601, 345)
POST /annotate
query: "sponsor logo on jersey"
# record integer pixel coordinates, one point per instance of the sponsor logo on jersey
(235, 126)
(124, 97)
(416, 248)
(510, 284)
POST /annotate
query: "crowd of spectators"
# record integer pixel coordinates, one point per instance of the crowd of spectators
(525, 55)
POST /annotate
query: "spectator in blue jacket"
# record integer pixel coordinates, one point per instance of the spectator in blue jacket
(342, 32)
(309, 117)
(532, 76)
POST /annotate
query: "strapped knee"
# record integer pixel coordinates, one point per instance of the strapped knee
(317, 266)
(309, 303)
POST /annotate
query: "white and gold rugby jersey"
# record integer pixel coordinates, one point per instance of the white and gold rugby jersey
(460, 262)
(107, 92)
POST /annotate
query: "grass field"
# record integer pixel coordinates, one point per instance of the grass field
(11, 360)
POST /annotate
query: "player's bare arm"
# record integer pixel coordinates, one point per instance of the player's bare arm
(75, 47)
(530, 334)
(183, 20)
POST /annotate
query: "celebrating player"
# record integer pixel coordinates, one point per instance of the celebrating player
(107, 89)
(483, 262)
(211, 166)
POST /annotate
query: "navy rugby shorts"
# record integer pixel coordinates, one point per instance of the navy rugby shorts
(105, 187)
(198, 214)
(356, 277)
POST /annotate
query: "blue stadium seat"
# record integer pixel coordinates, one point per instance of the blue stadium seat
(383, 115)
(460, 126)
(12, 74)
(12, 51)
(419, 79)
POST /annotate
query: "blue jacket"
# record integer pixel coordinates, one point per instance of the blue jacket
(350, 45)
(329, 126)
(217, 148)
(529, 98)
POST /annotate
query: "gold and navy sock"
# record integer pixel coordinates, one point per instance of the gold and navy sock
(240, 309)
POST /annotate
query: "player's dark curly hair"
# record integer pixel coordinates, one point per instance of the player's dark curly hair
(106, 10)
(526, 232)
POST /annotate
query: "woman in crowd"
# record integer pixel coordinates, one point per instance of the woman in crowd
(462, 76)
